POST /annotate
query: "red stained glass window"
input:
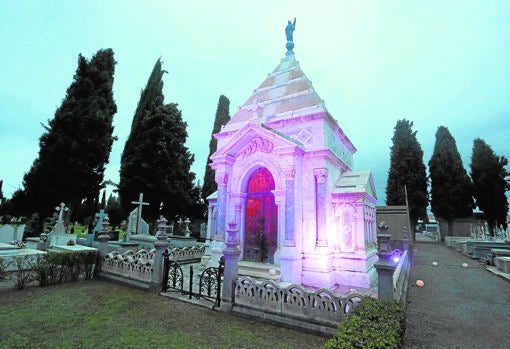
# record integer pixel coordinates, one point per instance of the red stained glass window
(261, 227)
(261, 181)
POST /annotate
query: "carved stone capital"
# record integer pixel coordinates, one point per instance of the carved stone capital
(221, 179)
(321, 175)
(290, 173)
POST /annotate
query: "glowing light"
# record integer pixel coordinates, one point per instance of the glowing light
(465, 265)
(396, 255)
(434, 263)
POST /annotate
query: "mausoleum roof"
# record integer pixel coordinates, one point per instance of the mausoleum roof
(285, 91)
(356, 182)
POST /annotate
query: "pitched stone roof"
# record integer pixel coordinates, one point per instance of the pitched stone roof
(285, 91)
(360, 181)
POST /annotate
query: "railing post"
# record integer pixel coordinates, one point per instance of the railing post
(385, 270)
(166, 269)
(231, 254)
(160, 245)
(190, 281)
(219, 275)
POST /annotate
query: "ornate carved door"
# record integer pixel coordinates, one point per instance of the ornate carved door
(261, 230)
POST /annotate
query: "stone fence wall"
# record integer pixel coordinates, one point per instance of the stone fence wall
(132, 265)
(317, 311)
(186, 254)
(401, 278)
(129, 266)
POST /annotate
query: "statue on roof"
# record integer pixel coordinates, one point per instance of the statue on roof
(289, 30)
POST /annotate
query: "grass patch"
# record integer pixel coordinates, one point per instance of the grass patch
(99, 314)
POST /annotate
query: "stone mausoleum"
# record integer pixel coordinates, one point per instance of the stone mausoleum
(285, 176)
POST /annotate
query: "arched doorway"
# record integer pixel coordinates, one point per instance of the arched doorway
(261, 229)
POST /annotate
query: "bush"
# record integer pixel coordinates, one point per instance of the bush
(4, 263)
(23, 274)
(373, 324)
(56, 267)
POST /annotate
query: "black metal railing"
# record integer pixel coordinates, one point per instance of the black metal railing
(209, 285)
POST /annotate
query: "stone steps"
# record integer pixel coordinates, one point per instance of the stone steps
(259, 270)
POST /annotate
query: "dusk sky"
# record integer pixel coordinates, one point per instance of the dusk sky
(436, 63)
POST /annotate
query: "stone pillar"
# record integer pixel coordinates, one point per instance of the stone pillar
(321, 176)
(161, 244)
(231, 254)
(290, 239)
(221, 180)
(385, 269)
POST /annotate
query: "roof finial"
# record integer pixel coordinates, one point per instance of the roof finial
(289, 30)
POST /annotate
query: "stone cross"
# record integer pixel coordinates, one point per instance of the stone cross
(100, 218)
(140, 203)
(62, 207)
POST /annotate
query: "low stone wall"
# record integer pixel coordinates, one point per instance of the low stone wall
(401, 278)
(139, 265)
(318, 311)
(129, 264)
(187, 254)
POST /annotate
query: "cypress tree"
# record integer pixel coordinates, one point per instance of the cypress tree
(490, 184)
(407, 169)
(451, 189)
(76, 144)
(222, 118)
(155, 160)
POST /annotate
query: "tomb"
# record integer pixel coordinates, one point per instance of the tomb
(285, 176)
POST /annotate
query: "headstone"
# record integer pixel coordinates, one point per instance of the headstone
(140, 204)
(132, 225)
(203, 230)
(58, 235)
(100, 219)
(9, 233)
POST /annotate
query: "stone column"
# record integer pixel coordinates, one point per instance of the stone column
(321, 176)
(160, 245)
(231, 272)
(221, 180)
(290, 176)
(102, 249)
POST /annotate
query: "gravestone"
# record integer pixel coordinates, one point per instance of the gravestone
(58, 235)
(203, 231)
(9, 233)
(143, 227)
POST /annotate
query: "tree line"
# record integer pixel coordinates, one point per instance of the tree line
(75, 147)
(453, 193)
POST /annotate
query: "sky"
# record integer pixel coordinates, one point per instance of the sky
(436, 63)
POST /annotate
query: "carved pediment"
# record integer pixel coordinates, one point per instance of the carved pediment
(251, 139)
(257, 144)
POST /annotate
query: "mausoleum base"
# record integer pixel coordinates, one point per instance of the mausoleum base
(291, 265)
(217, 248)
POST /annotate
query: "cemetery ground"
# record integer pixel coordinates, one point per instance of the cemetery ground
(103, 314)
(458, 307)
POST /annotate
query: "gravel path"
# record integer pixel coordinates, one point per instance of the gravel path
(458, 307)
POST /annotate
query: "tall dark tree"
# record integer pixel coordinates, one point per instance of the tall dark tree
(407, 170)
(155, 160)
(77, 142)
(222, 117)
(490, 182)
(451, 189)
(114, 210)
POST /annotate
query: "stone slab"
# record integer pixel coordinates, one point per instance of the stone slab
(73, 248)
(503, 264)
